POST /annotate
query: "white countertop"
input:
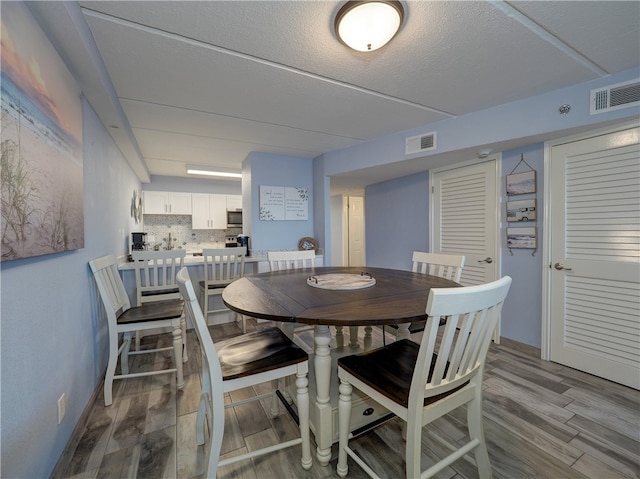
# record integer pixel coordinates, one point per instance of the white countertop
(191, 260)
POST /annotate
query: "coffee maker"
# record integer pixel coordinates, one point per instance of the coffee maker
(243, 241)
(138, 241)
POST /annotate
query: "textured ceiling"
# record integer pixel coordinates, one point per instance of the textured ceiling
(209, 82)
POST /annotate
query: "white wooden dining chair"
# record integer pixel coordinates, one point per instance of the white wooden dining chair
(222, 266)
(448, 266)
(241, 362)
(421, 382)
(305, 259)
(281, 260)
(126, 320)
(155, 273)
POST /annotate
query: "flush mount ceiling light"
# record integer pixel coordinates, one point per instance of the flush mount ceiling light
(210, 171)
(368, 25)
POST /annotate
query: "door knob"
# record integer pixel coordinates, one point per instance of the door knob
(560, 266)
(486, 260)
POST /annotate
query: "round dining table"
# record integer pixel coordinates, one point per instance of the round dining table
(333, 296)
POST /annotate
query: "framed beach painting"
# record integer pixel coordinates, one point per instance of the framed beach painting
(41, 143)
(522, 238)
(521, 183)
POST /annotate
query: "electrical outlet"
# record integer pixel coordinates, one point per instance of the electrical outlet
(62, 407)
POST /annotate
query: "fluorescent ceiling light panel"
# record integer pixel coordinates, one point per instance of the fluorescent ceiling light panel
(205, 171)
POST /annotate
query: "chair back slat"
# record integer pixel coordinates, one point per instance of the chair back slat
(155, 273)
(283, 260)
(223, 265)
(448, 266)
(110, 286)
(452, 358)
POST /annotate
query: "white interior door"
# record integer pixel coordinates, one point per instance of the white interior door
(356, 231)
(594, 255)
(465, 212)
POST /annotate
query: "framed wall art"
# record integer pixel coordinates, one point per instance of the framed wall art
(521, 183)
(522, 238)
(522, 210)
(41, 137)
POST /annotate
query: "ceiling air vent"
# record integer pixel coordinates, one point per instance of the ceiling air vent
(615, 97)
(417, 144)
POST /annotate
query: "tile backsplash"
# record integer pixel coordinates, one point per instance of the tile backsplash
(158, 228)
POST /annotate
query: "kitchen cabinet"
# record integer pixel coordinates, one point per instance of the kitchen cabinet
(209, 212)
(166, 203)
(234, 202)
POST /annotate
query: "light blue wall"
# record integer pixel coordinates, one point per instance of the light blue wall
(397, 220)
(522, 311)
(53, 340)
(276, 170)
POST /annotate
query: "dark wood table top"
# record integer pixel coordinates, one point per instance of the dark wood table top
(397, 297)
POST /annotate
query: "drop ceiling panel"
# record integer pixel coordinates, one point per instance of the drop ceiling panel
(456, 57)
(203, 150)
(203, 79)
(611, 41)
(147, 116)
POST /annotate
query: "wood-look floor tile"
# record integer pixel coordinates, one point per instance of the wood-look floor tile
(605, 434)
(595, 469)
(122, 463)
(189, 456)
(623, 418)
(535, 390)
(91, 448)
(130, 423)
(502, 387)
(512, 457)
(618, 459)
(161, 409)
(499, 405)
(538, 417)
(158, 455)
(527, 430)
(188, 399)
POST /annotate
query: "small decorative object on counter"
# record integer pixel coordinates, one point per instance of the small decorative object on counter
(307, 243)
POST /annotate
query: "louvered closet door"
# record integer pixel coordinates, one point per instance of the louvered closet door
(595, 256)
(465, 220)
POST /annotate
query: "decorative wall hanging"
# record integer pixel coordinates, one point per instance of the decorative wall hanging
(283, 203)
(136, 206)
(522, 238)
(521, 183)
(41, 139)
(522, 210)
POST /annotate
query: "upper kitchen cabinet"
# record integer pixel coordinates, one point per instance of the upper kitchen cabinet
(234, 202)
(209, 212)
(166, 203)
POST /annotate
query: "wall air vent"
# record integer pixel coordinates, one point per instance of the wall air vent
(615, 97)
(420, 143)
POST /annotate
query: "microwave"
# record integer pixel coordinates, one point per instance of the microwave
(234, 218)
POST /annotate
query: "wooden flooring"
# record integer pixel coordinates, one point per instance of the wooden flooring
(541, 420)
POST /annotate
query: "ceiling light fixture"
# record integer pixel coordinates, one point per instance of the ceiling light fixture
(368, 25)
(207, 171)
